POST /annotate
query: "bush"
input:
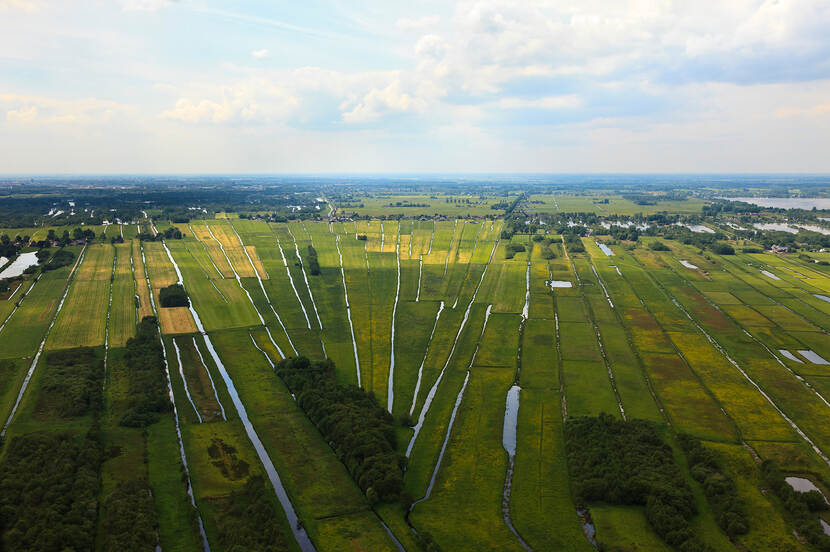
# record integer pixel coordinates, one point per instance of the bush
(657, 245)
(174, 295)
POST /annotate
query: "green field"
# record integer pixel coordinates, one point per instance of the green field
(638, 335)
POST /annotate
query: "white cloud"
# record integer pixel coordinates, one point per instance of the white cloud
(19, 5)
(569, 101)
(260, 54)
(22, 115)
(812, 111)
(251, 102)
(144, 5)
(21, 109)
(418, 24)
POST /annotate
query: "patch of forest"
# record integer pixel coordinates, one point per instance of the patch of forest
(48, 492)
(174, 295)
(248, 520)
(627, 463)
(358, 428)
(147, 385)
(49, 482)
(71, 384)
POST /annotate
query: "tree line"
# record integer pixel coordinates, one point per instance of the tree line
(361, 432)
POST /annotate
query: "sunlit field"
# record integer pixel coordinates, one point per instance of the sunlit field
(444, 317)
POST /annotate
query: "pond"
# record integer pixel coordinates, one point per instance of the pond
(769, 274)
(605, 249)
(697, 228)
(812, 356)
(790, 356)
(21, 263)
(822, 297)
(687, 264)
(801, 484)
(786, 202)
(778, 227)
(559, 284)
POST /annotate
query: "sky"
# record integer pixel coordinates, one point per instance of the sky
(203, 86)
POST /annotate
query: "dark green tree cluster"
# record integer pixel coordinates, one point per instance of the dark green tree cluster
(48, 492)
(128, 518)
(572, 243)
(71, 384)
(720, 489)
(657, 245)
(313, 263)
(624, 233)
(174, 295)
(723, 248)
(8, 248)
(147, 384)
(620, 462)
(802, 507)
(171, 233)
(513, 248)
(61, 258)
(249, 522)
(361, 432)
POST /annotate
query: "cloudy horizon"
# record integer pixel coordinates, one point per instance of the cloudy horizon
(159, 86)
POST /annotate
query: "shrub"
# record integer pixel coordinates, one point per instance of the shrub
(657, 245)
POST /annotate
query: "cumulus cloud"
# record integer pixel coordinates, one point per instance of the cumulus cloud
(260, 54)
(384, 101)
(251, 102)
(39, 110)
(19, 5)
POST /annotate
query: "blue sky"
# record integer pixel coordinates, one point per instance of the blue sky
(366, 86)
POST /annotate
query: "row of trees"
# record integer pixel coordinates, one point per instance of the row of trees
(361, 432)
(144, 357)
(720, 489)
(313, 263)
